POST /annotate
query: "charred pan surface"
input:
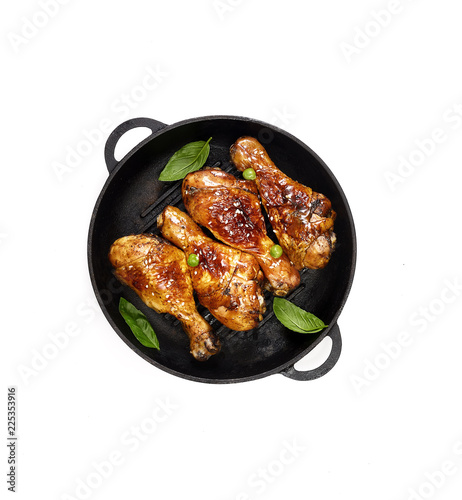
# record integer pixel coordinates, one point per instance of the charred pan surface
(230, 209)
(302, 219)
(158, 273)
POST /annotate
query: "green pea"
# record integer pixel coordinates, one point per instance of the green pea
(193, 260)
(276, 251)
(249, 174)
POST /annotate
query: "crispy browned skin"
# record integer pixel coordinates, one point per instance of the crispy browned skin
(230, 209)
(302, 219)
(159, 274)
(227, 281)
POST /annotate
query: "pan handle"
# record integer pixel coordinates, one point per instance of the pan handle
(119, 131)
(334, 355)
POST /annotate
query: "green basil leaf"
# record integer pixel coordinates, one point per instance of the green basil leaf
(295, 318)
(138, 324)
(189, 158)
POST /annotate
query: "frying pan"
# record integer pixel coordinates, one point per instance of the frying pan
(129, 203)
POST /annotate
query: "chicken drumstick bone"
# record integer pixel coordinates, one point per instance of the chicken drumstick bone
(158, 273)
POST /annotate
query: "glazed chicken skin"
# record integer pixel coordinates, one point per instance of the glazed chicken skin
(302, 219)
(227, 281)
(157, 271)
(230, 209)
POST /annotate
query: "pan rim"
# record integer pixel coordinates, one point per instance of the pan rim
(281, 367)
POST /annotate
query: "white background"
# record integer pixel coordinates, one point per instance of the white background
(387, 419)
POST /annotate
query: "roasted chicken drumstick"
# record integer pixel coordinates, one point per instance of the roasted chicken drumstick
(227, 281)
(158, 273)
(302, 220)
(230, 209)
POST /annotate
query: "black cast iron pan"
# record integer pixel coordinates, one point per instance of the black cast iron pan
(130, 201)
